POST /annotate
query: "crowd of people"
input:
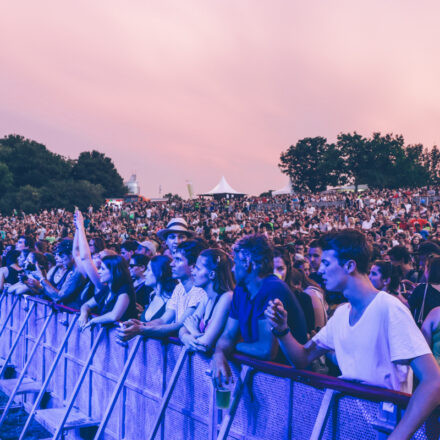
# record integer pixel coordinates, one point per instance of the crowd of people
(343, 284)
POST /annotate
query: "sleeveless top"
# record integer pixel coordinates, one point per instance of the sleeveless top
(12, 277)
(106, 301)
(158, 313)
(60, 283)
(436, 343)
(205, 322)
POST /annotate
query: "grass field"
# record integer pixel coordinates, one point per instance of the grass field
(14, 423)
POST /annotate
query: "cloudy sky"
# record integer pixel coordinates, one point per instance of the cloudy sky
(193, 90)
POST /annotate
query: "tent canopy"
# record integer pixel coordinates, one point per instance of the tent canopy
(286, 190)
(222, 188)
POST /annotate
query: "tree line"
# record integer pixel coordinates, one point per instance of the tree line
(33, 178)
(379, 161)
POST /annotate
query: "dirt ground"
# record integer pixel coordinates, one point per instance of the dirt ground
(14, 423)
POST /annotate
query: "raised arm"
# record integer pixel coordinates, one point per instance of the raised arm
(76, 255)
(84, 252)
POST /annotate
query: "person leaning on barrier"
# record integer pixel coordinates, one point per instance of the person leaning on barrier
(10, 271)
(159, 278)
(64, 282)
(256, 286)
(114, 297)
(29, 271)
(212, 273)
(138, 266)
(183, 302)
(374, 337)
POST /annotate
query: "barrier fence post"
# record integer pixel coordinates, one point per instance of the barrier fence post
(17, 339)
(81, 378)
(3, 295)
(118, 388)
(168, 392)
(23, 372)
(323, 414)
(17, 298)
(49, 376)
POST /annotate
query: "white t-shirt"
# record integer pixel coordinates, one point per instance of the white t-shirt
(369, 350)
(181, 300)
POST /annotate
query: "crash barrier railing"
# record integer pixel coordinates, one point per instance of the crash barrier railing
(87, 385)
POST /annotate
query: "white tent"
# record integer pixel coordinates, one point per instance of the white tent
(286, 190)
(222, 188)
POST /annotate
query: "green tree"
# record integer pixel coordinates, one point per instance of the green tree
(70, 193)
(312, 164)
(6, 178)
(432, 163)
(27, 199)
(31, 163)
(99, 169)
(172, 197)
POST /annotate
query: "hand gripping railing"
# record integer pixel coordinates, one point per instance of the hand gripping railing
(17, 339)
(49, 376)
(24, 370)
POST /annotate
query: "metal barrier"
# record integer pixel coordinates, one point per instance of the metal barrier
(152, 389)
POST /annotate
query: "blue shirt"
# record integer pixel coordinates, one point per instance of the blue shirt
(248, 311)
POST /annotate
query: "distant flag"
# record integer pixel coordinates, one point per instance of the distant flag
(190, 189)
(160, 190)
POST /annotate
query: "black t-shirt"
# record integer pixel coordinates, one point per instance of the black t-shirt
(106, 301)
(143, 294)
(332, 298)
(249, 311)
(415, 301)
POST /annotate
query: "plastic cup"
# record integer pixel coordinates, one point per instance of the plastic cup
(223, 397)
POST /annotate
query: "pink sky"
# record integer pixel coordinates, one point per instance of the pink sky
(193, 90)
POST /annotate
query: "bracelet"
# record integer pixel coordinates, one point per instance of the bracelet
(281, 333)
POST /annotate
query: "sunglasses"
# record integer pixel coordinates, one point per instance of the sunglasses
(133, 265)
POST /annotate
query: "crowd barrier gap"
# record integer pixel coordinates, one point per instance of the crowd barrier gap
(86, 385)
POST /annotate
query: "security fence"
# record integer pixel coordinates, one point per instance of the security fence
(87, 385)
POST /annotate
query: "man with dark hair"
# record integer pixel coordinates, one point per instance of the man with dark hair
(314, 256)
(64, 282)
(183, 301)
(374, 336)
(175, 233)
(256, 286)
(400, 256)
(427, 249)
(25, 244)
(128, 248)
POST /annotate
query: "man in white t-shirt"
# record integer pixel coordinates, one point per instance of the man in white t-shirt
(374, 337)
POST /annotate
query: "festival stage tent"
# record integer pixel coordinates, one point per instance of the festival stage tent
(286, 190)
(223, 189)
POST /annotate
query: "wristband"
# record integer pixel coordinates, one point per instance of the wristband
(281, 333)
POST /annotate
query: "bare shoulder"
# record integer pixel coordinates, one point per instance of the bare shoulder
(434, 315)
